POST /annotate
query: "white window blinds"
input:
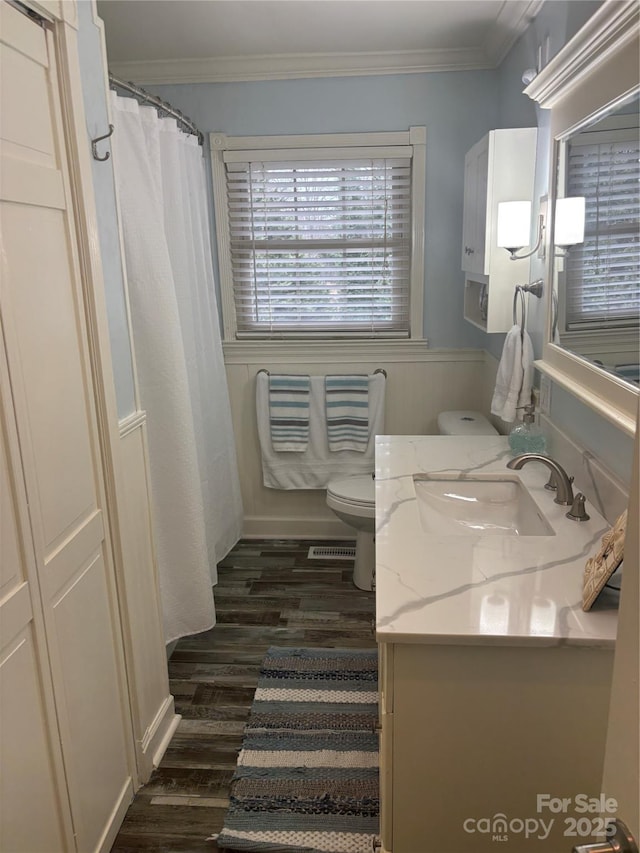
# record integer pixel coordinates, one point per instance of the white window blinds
(320, 242)
(603, 274)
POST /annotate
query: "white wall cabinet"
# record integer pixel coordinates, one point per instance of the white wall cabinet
(471, 732)
(500, 167)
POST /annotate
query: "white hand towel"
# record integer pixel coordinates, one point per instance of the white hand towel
(515, 375)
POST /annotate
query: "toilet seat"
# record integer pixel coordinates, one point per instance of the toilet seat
(356, 493)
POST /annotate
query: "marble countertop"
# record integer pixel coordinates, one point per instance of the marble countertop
(480, 589)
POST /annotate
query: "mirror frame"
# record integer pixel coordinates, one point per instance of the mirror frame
(596, 70)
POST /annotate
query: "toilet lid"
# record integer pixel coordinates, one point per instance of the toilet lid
(355, 490)
(464, 423)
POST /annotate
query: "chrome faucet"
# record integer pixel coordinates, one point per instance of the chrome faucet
(564, 491)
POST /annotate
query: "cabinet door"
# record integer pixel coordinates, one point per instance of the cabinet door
(385, 703)
(482, 252)
(469, 211)
(476, 167)
(43, 318)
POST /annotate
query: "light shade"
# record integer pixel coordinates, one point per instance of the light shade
(514, 224)
(569, 224)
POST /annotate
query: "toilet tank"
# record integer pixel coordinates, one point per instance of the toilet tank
(464, 423)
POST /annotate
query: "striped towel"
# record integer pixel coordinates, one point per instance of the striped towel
(289, 411)
(347, 403)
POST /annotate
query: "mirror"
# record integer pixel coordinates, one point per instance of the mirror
(591, 287)
(596, 277)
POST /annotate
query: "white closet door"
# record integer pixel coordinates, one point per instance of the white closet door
(46, 342)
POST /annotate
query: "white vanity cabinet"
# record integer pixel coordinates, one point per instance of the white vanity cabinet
(500, 167)
(494, 685)
(472, 732)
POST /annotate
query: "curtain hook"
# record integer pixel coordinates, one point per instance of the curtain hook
(95, 141)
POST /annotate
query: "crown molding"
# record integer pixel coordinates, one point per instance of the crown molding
(227, 69)
(512, 21)
(611, 28)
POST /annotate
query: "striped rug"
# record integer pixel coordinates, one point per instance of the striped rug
(307, 774)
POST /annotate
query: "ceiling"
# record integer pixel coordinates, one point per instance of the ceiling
(167, 41)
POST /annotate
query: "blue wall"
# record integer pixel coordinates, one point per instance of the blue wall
(95, 107)
(457, 108)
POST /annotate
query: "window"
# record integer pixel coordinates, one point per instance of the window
(602, 274)
(316, 235)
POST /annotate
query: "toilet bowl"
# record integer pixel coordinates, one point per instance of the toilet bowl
(353, 501)
(353, 498)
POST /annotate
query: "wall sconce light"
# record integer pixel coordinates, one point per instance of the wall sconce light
(569, 221)
(514, 228)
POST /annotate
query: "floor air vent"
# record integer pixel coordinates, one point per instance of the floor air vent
(332, 552)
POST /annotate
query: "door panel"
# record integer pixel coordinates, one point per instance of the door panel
(44, 313)
(30, 761)
(88, 675)
(30, 819)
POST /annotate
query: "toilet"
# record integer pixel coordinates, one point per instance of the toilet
(353, 498)
(353, 501)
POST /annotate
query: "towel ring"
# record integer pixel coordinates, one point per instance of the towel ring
(536, 288)
(519, 291)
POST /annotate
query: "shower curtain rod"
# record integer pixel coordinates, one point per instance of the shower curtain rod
(145, 97)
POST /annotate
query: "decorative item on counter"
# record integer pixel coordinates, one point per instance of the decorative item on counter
(600, 568)
(527, 436)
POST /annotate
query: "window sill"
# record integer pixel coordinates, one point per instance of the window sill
(339, 352)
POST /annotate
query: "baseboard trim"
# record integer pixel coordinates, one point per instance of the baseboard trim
(274, 527)
(117, 817)
(157, 737)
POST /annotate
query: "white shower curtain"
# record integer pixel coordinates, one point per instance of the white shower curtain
(194, 480)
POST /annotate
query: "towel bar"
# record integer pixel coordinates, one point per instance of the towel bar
(377, 370)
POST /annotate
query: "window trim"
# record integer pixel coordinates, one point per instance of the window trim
(415, 137)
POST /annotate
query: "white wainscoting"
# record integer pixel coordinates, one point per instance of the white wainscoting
(420, 384)
(154, 717)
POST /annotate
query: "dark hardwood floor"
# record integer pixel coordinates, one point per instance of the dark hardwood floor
(268, 593)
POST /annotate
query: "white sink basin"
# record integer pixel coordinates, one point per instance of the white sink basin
(476, 504)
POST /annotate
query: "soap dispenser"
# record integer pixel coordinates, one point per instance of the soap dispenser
(527, 436)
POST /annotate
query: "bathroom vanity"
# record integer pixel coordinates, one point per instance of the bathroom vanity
(494, 684)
